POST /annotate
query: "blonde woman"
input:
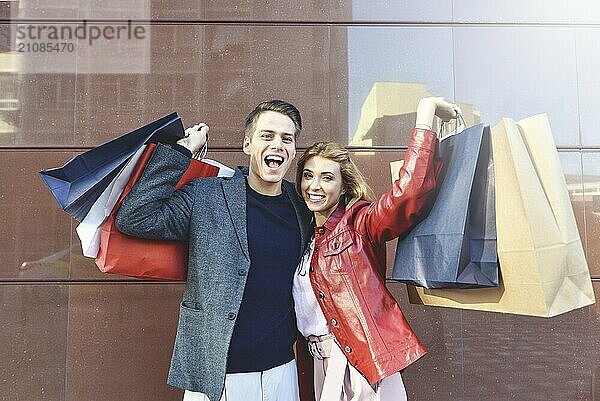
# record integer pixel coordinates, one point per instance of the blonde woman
(355, 331)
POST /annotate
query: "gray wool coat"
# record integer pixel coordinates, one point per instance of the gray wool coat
(210, 213)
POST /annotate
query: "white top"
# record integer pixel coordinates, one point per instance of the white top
(309, 316)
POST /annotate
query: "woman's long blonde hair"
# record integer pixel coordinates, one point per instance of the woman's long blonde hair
(353, 182)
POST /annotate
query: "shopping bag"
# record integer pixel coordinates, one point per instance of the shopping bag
(141, 258)
(542, 264)
(79, 183)
(88, 230)
(455, 245)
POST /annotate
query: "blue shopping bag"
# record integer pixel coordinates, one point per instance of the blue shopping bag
(455, 245)
(78, 183)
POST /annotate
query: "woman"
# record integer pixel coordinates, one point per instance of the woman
(356, 333)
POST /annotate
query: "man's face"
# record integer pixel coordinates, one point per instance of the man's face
(271, 148)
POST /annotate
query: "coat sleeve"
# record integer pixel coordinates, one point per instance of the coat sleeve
(154, 209)
(397, 211)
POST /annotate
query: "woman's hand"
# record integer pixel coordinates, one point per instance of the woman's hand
(435, 106)
(195, 137)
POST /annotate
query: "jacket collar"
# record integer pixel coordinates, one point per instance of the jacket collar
(245, 170)
(332, 220)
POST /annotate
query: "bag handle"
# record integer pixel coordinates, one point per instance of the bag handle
(201, 154)
(459, 119)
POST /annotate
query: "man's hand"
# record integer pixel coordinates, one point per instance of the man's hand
(195, 137)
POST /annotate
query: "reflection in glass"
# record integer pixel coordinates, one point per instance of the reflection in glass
(389, 70)
(571, 167)
(388, 114)
(518, 72)
(512, 11)
(10, 62)
(433, 10)
(10, 106)
(591, 200)
(588, 85)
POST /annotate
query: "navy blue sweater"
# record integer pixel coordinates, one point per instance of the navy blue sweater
(265, 328)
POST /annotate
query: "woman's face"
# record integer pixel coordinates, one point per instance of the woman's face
(321, 187)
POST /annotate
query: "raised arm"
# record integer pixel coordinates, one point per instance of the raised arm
(397, 211)
(154, 209)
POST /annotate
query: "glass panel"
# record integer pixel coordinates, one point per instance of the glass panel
(115, 9)
(324, 10)
(512, 11)
(588, 58)
(524, 358)
(389, 70)
(406, 10)
(239, 10)
(591, 200)
(111, 330)
(34, 341)
(519, 72)
(572, 169)
(249, 10)
(47, 110)
(34, 240)
(221, 74)
(44, 9)
(36, 107)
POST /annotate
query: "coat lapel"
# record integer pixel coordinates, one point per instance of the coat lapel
(235, 196)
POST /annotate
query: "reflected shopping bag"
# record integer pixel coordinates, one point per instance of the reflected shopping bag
(542, 264)
(455, 245)
(141, 258)
(79, 183)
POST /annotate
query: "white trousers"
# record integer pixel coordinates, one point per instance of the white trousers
(276, 384)
(337, 380)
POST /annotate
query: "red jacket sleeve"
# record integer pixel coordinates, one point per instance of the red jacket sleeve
(397, 211)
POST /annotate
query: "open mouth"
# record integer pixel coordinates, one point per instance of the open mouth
(315, 198)
(273, 161)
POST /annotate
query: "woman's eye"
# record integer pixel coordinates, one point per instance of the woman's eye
(307, 175)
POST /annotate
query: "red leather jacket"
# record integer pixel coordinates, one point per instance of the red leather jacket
(347, 271)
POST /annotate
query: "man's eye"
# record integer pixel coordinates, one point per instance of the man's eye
(288, 139)
(327, 178)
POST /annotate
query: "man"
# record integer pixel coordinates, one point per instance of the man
(246, 236)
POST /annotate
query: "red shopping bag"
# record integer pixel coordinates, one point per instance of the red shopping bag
(135, 257)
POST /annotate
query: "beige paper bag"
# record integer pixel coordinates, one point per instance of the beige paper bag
(543, 267)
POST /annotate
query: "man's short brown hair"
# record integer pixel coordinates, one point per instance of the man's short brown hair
(278, 106)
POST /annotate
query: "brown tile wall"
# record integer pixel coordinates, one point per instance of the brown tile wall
(71, 333)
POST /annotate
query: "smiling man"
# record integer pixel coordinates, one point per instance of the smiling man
(246, 236)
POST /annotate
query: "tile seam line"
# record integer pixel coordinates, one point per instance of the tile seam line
(567, 149)
(88, 282)
(594, 279)
(389, 23)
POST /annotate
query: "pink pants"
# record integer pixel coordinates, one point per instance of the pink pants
(337, 380)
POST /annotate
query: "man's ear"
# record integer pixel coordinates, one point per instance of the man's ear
(246, 145)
